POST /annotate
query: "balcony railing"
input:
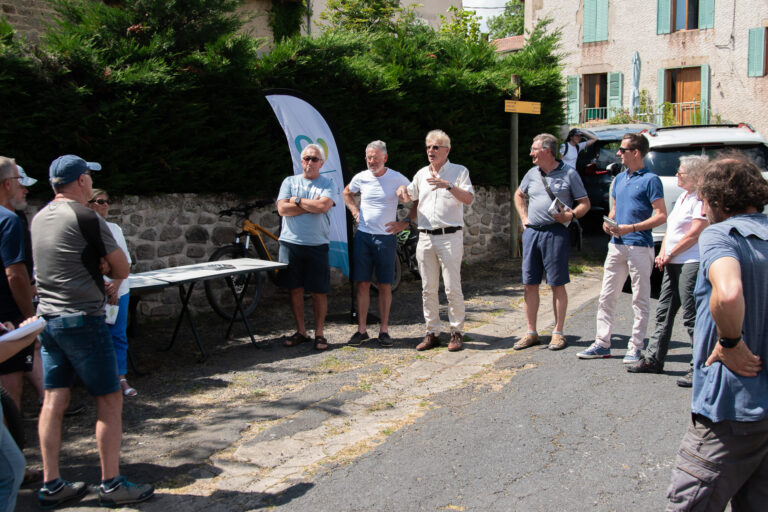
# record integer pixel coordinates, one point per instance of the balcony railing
(677, 114)
(591, 114)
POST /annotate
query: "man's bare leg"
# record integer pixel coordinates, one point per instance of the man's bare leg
(385, 303)
(531, 295)
(49, 430)
(363, 303)
(560, 305)
(297, 308)
(320, 308)
(109, 432)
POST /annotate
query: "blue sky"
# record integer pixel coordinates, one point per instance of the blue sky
(485, 9)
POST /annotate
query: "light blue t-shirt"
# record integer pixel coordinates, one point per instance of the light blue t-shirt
(307, 228)
(563, 181)
(633, 195)
(718, 393)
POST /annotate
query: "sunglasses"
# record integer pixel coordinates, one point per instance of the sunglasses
(624, 150)
(100, 202)
(310, 158)
(435, 147)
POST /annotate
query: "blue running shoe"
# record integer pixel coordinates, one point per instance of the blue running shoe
(633, 356)
(595, 351)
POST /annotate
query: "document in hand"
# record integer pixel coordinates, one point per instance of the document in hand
(558, 206)
(24, 330)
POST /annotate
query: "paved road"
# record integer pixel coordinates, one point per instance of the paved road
(564, 434)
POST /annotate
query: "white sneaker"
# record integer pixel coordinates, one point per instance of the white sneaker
(633, 356)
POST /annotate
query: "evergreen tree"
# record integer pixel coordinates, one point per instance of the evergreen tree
(510, 23)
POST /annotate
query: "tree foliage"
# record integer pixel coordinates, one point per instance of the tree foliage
(462, 23)
(359, 15)
(165, 110)
(510, 23)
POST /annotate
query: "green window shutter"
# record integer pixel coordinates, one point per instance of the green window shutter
(756, 55)
(660, 91)
(705, 94)
(615, 92)
(573, 100)
(601, 21)
(589, 21)
(706, 14)
(663, 16)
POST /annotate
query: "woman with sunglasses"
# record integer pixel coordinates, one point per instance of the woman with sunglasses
(117, 293)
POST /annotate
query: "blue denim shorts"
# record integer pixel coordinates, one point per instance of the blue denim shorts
(546, 249)
(374, 251)
(79, 346)
(308, 267)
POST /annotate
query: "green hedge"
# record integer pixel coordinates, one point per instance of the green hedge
(166, 111)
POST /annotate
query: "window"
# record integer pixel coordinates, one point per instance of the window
(685, 14)
(684, 94)
(595, 96)
(595, 21)
(756, 60)
(676, 15)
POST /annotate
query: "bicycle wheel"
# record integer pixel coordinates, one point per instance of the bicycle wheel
(263, 255)
(398, 275)
(217, 290)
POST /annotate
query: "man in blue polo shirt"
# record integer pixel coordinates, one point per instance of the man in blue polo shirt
(546, 241)
(638, 207)
(724, 454)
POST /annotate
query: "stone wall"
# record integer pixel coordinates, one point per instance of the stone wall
(178, 229)
(27, 16)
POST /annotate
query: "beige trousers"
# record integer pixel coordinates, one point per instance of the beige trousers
(435, 253)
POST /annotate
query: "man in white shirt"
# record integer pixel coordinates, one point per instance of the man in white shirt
(569, 151)
(440, 191)
(375, 243)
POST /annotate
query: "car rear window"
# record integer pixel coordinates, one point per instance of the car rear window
(665, 161)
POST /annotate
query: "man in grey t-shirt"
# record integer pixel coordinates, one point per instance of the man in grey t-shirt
(546, 241)
(73, 248)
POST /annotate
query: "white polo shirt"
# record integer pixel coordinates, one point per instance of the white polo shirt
(687, 209)
(438, 208)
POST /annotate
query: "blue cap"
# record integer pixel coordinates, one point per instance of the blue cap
(25, 180)
(68, 168)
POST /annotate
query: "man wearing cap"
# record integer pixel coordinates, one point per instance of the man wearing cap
(440, 191)
(15, 284)
(73, 248)
(573, 145)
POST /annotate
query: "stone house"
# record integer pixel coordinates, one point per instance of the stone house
(700, 61)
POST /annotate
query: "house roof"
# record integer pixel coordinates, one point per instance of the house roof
(508, 44)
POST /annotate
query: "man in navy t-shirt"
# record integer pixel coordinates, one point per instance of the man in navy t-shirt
(638, 207)
(724, 453)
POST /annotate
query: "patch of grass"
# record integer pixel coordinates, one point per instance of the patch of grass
(387, 431)
(419, 356)
(260, 392)
(347, 348)
(365, 386)
(331, 362)
(576, 269)
(385, 371)
(380, 406)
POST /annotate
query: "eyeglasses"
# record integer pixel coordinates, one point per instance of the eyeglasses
(435, 147)
(624, 150)
(310, 158)
(15, 178)
(100, 202)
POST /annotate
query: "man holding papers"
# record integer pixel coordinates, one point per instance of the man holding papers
(550, 196)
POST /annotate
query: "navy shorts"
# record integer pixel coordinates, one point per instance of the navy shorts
(307, 267)
(82, 346)
(374, 251)
(546, 249)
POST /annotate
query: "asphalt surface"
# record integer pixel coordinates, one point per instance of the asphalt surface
(562, 434)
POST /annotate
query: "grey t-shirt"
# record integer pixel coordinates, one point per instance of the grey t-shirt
(68, 240)
(564, 182)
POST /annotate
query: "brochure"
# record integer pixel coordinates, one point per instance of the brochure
(24, 330)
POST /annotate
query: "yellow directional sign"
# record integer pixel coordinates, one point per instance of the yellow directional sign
(522, 107)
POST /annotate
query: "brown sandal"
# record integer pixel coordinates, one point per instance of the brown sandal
(295, 339)
(321, 343)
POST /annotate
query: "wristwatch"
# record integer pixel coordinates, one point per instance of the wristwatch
(450, 186)
(297, 201)
(729, 342)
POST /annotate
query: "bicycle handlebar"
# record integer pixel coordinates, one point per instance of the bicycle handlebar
(245, 209)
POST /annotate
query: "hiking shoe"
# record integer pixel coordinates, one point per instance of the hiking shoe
(686, 381)
(67, 492)
(645, 365)
(528, 340)
(456, 343)
(385, 339)
(124, 493)
(430, 341)
(633, 356)
(358, 338)
(557, 342)
(595, 351)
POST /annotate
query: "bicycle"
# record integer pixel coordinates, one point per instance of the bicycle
(407, 240)
(248, 285)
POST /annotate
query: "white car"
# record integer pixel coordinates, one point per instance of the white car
(667, 145)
